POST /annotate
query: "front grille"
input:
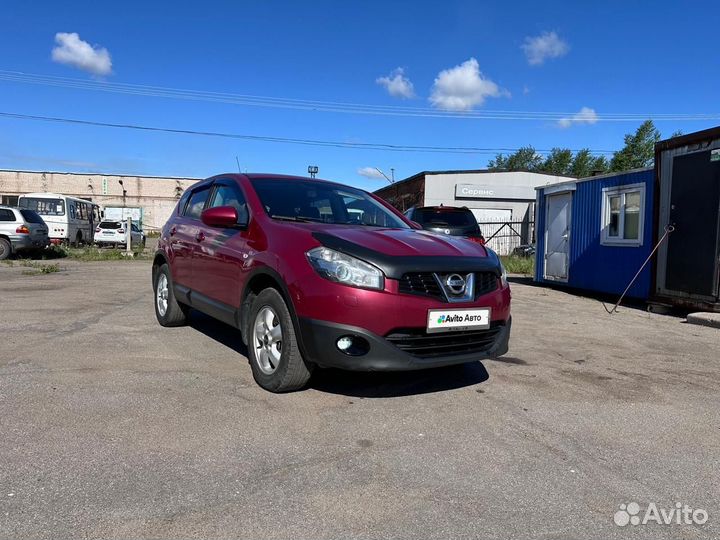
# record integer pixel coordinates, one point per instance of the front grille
(485, 282)
(421, 283)
(425, 284)
(419, 343)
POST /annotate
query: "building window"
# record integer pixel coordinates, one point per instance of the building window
(9, 200)
(623, 212)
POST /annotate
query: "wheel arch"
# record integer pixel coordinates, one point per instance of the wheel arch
(258, 280)
(158, 260)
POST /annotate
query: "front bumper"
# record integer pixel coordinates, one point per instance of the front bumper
(319, 339)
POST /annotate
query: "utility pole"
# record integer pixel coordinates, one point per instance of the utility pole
(124, 195)
(128, 238)
(391, 180)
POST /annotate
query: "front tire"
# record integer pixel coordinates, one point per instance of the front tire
(275, 359)
(168, 311)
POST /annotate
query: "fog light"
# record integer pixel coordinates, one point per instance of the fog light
(344, 343)
(352, 345)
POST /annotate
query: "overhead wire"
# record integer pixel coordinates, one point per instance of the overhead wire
(286, 140)
(332, 106)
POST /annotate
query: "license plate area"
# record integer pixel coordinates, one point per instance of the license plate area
(456, 320)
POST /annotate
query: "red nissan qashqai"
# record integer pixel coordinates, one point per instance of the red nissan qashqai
(314, 273)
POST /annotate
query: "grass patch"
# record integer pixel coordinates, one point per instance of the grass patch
(519, 265)
(109, 254)
(37, 269)
(91, 253)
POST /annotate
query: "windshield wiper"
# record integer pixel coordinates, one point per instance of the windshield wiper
(301, 219)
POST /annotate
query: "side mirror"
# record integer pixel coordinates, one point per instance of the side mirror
(225, 217)
(415, 225)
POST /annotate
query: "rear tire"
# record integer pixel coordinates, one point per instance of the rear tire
(5, 249)
(275, 359)
(168, 310)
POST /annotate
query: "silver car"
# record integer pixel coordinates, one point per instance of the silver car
(21, 230)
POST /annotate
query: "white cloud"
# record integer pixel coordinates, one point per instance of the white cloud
(463, 87)
(586, 115)
(546, 45)
(397, 84)
(370, 172)
(73, 51)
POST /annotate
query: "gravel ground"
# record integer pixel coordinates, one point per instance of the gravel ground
(111, 426)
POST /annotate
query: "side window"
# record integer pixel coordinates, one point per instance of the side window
(6, 215)
(197, 202)
(72, 210)
(230, 195)
(183, 203)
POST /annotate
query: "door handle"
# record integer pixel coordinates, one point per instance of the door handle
(200, 236)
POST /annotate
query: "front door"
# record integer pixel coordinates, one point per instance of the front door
(692, 252)
(557, 234)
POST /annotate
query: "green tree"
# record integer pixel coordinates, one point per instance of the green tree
(559, 161)
(584, 164)
(639, 149)
(600, 165)
(524, 159)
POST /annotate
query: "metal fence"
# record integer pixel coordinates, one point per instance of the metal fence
(504, 236)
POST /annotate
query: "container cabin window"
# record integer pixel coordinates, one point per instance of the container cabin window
(623, 215)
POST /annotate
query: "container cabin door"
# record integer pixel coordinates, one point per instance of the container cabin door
(557, 236)
(693, 250)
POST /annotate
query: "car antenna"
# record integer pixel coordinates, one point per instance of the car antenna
(238, 164)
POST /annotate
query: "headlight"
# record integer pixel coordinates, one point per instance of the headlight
(345, 269)
(503, 274)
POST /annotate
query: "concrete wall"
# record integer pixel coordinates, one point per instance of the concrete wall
(156, 195)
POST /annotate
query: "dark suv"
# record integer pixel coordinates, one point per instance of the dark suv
(447, 220)
(314, 273)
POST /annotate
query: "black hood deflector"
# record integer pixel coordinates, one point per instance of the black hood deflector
(395, 266)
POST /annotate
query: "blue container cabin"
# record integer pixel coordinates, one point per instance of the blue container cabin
(595, 233)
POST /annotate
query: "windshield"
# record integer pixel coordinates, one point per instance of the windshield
(299, 200)
(447, 218)
(44, 207)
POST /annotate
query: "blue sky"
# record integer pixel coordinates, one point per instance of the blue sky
(605, 58)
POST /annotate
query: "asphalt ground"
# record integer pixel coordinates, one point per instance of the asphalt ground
(113, 427)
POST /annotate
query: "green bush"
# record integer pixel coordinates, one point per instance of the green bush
(519, 265)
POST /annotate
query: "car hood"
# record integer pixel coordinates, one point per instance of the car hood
(397, 251)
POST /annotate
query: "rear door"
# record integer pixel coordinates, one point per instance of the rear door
(184, 234)
(8, 222)
(557, 236)
(693, 250)
(221, 254)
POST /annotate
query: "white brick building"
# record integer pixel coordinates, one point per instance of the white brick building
(155, 195)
